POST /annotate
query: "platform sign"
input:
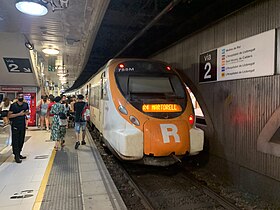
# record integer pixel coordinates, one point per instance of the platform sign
(247, 58)
(18, 65)
(208, 66)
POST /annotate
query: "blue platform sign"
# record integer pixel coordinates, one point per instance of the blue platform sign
(18, 65)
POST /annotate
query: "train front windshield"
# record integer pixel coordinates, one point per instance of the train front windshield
(150, 85)
(153, 89)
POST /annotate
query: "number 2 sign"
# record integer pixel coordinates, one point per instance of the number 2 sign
(18, 65)
(208, 66)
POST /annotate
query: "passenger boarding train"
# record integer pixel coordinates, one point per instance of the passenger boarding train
(143, 111)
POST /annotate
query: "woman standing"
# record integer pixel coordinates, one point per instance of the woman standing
(49, 115)
(4, 108)
(43, 113)
(57, 132)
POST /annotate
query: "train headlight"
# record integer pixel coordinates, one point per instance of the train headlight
(134, 120)
(191, 119)
(122, 110)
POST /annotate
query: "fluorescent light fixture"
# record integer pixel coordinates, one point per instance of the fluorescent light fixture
(29, 45)
(62, 78)
(32, 7)
(62, 74)
(50, 51)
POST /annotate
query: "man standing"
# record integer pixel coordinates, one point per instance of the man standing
(17, 114)
(79, 106)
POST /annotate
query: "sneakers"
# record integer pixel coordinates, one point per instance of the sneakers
(84, 142)
(22, 157)
(77, 145)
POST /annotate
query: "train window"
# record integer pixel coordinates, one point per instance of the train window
(101, 84)
(150, 85)
(153, 88)
(105, 92)
(178, 87)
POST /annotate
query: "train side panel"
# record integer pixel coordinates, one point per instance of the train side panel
(126, 140)
(95, 105)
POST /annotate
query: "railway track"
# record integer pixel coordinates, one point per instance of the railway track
(174, 188)
(144, 187)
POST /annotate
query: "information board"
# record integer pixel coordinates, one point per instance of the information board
(251, 57)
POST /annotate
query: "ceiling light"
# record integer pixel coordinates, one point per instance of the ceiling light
(62, 78)
(50, 51)
(62, 74)
(29, 45)
(32, 7)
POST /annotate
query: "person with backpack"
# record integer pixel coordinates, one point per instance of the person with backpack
(80, 122)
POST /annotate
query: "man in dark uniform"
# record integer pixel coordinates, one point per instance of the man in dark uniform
(17, 114)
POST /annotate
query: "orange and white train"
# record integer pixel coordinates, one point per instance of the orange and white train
(143, 111)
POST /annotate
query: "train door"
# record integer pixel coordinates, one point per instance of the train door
(102, 104)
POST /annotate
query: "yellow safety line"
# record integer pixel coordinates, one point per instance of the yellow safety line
(40, 195)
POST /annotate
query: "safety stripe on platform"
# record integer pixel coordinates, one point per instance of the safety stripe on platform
(63, 191)
(40, 195)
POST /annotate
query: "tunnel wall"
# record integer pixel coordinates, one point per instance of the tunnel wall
(236, 111)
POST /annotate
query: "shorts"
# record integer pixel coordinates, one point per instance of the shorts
(79, 125)
(4, 113)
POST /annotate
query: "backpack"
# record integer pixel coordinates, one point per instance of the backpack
(86, 113)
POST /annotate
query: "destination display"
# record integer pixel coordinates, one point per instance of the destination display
(161, 108)
(251, 57)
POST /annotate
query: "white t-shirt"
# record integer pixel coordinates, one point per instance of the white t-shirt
(5, 108)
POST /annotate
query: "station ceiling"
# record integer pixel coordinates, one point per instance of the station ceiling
(141, 28)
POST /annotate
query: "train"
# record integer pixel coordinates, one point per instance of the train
(143, 112)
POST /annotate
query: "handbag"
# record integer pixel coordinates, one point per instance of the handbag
(62, 118)
(62, 115)
(63, 122)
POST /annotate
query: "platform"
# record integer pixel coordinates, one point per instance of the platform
(66, 179)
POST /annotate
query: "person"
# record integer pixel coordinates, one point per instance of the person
(43, 113)
(79, 122)
(67, 108)
(57, 132)
(63, 99)
(72, 102)
(17, 114)
(49, 115)
(26, 116)
(38, 110)
(4, 108)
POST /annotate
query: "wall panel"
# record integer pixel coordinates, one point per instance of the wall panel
(239, 109)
